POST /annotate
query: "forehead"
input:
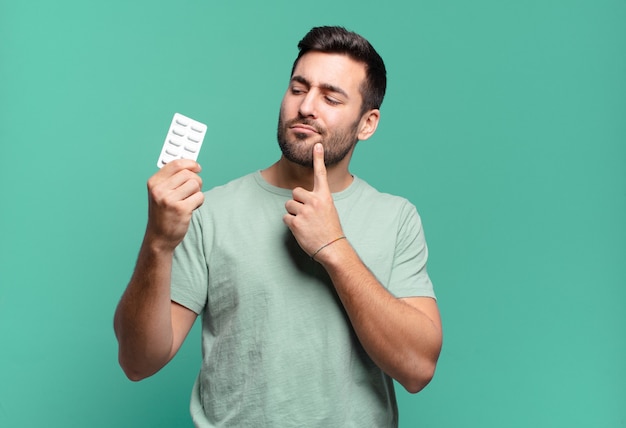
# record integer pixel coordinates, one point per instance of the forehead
(321, 68)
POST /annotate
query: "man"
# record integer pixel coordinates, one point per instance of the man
(312, 285)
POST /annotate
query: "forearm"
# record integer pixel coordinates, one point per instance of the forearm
(149, 328)
(400, 338)
(142, 322)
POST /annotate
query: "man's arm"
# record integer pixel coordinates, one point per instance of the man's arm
(402, 336)
(150, 328)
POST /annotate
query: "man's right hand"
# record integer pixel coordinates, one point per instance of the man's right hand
(174, 192)
(150, 327)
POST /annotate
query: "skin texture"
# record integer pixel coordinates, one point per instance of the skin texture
(150, 327)
(320, 119)
(402, 336)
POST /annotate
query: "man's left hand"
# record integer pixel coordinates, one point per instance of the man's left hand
(311, 215)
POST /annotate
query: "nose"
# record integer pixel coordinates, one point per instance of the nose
(307, 105)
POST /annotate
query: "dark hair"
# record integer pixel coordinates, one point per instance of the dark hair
(339, 40)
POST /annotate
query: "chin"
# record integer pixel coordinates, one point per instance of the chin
(298, 155)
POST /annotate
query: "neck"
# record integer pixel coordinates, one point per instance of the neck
(289, 175)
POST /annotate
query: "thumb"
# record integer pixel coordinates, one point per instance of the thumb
(320, 180)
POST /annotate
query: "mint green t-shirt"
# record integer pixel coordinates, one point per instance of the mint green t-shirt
(278, 348)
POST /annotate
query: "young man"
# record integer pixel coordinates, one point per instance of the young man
(312, 286)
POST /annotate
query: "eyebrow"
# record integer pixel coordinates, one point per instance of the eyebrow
(324, 86)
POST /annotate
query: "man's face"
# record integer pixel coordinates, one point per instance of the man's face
(322, 104)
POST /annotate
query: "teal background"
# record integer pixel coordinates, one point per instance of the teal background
(505, 123)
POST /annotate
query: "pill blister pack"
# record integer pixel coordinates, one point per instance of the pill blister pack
(183, 140)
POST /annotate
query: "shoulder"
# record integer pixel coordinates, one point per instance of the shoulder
(365, 206)
(237, 184)
(226, 197)
(368, 194)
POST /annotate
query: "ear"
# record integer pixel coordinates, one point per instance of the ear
(368, 125)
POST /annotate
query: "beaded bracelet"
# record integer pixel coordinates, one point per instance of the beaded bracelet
(326, 245)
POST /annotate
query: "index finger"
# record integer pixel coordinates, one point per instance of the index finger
(320, 180)
(174, 166)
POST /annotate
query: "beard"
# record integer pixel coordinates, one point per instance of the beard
(337, 144)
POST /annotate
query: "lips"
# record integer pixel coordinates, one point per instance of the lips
(305, 125)
(300, 127)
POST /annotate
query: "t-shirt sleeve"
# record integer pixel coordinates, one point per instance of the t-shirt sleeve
(190, 272)
(409, 277)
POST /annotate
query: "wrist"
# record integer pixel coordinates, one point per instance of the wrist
(157, 245)
(334, 253)
(328, 244)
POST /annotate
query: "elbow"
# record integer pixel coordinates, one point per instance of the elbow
(128, 364)
(137, 364)
(133, 371)
(417, 380)
(422, 371)
(133, 375)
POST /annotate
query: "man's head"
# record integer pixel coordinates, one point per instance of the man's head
(337, 84)
(341, 41)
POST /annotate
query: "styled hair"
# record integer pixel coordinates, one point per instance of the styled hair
(339, 40)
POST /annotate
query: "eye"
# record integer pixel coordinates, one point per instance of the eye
(332, 101)
(296, 90)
